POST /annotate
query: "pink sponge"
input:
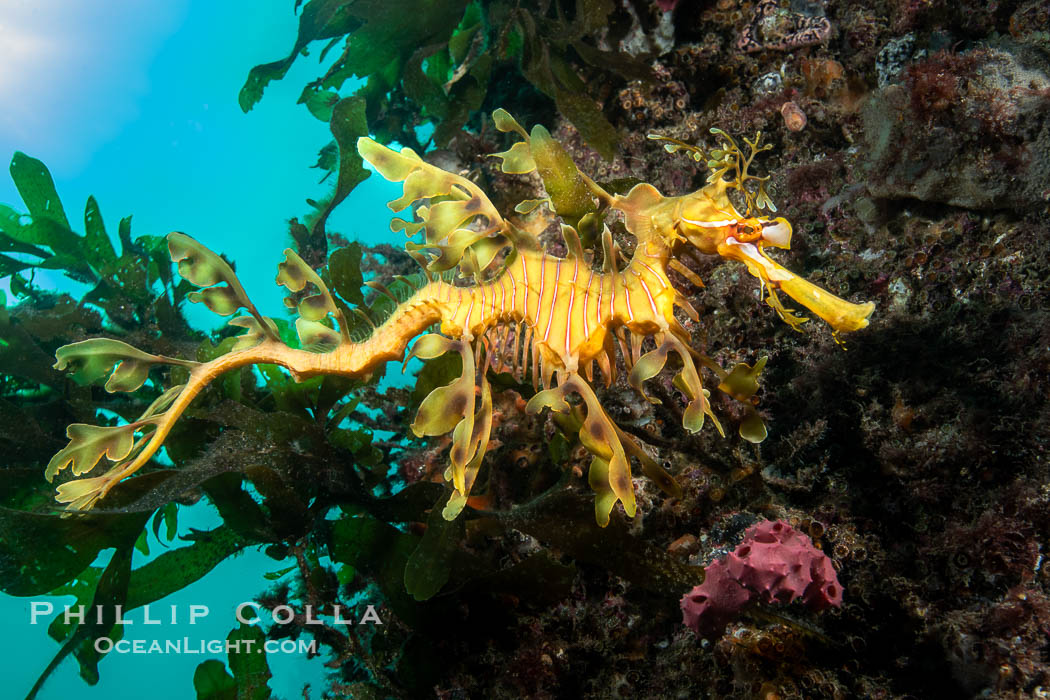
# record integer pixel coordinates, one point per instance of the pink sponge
(775, 564)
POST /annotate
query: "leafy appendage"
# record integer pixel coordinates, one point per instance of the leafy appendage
(565, 184)
(687, 381)
(741, 383)
(294, 274)
(256, 333)
(527, 206)
(459, 217)
(94, 359)
(648, 366)
(82, 494)
(610, 471)
(729, 159)
(752, 427)
(130, 446)
(316, 337)
(88, 444)
(222, 291)
(570, 193)
(123, 446)
(518, 160)
(450, 408)
(479, 440)
(506, 123)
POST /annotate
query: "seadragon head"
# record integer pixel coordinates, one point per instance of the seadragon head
(709, 222)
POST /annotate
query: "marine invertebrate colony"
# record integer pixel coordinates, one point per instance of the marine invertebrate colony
(526, 310)
(774, 564)
(777, 29)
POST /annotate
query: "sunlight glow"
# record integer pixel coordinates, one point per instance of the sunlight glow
(71, 72)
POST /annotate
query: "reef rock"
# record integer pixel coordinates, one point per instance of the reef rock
(966, 129)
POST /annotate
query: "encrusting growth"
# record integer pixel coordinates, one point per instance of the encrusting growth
(526, 312)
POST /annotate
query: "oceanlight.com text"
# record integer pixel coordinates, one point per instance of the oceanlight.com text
(105, 645)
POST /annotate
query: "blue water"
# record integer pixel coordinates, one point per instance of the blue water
(136, 103)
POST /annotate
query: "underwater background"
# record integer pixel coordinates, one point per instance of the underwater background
(906, 461)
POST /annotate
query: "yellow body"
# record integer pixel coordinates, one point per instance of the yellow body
(527, 311)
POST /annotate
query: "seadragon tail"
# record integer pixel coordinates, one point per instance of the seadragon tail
(88, 444)
(129, 447)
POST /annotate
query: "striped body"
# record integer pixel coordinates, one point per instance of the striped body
(568, 306)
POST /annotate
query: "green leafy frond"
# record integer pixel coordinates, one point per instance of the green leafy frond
(439, 59)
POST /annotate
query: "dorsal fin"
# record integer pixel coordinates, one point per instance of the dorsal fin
(382, 289)
(363, 316)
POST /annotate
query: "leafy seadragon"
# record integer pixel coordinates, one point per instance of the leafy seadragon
(525, 311)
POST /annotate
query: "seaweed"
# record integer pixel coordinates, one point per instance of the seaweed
(923, 478)
(436, 63)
